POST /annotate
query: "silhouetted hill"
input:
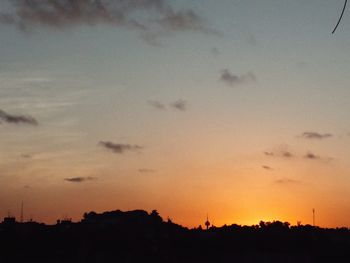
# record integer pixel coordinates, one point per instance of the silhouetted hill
(138, 236)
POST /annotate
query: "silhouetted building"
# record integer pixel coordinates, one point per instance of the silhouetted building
(9, 220)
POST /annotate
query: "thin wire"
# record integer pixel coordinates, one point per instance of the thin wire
(341, 16)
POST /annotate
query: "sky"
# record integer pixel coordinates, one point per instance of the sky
(235, 109)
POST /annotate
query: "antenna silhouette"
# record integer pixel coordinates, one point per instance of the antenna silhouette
(341, 16)
(22, 212)
(313, 217)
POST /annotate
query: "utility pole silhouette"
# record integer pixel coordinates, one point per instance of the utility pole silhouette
(313, 217)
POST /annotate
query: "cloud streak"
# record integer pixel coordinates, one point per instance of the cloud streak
(312, 156)
(118, 147)
(316, 135)
(280, 153)
(157, 104)
(79, 179)
(286, 154)
(61, 14)
(183, 20)
(158, 16)
(285, 181)
(235, 80)
(17, 119)
(180, 105)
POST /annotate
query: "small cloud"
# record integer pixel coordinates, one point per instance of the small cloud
(233, 80)
(281, 151)
(179, 105)
(26, 156)
(266, 167)
(17, 119)
(286, 154)
(157, 104)
(316, 135)
(145, 170)
(312, 156)
(183, 20)
(286, 181)
(79, 179)
(118, 147)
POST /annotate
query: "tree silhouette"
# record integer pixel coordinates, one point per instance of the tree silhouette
(138, 236)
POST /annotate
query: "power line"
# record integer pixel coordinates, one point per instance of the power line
(341, 16)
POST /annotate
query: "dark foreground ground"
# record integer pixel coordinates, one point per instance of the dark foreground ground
(137, 236)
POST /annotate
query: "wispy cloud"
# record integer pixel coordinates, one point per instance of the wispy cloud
(284, 152)
(284, 181)
(234, 80)
(179, 105)
(118, 147)
(280, 153)
(266, 167)
(61, 14)
(79, 179)
(312, 156)
(316, 135)
(157, 104)
(158, 16)
(17, 119)
(287, 154)
(183, 20)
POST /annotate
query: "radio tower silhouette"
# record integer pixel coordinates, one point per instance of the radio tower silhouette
(207, 223)
(313, 217)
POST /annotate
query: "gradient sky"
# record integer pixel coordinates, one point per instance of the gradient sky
(239, 109)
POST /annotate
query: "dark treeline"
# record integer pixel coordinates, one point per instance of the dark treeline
(138, 236)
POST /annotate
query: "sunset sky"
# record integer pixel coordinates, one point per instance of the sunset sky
(235, 108)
